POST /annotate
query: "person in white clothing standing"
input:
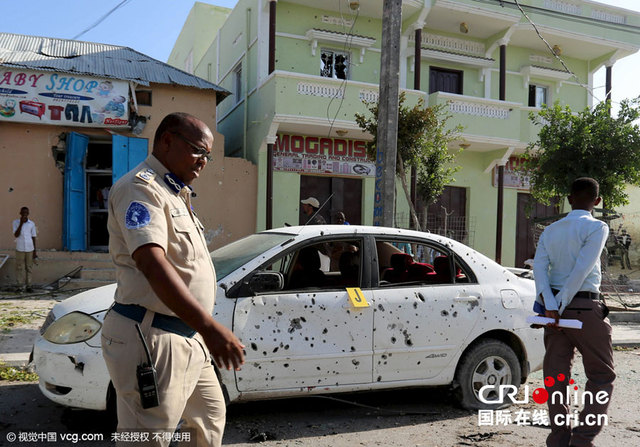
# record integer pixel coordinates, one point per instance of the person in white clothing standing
(567, 274)
(24, 231)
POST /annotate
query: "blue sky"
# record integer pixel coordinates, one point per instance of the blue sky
(152, 26)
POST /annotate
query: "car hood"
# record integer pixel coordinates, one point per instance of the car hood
(89, 302)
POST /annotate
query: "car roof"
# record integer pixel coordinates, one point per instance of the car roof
(312, 231)
(320, 230)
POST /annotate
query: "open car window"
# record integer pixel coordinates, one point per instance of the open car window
(332, 264)
(403, 262)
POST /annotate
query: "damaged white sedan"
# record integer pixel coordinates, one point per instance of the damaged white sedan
(328, 309)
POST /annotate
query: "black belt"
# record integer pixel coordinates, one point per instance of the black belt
(582, 294)
(160, 321)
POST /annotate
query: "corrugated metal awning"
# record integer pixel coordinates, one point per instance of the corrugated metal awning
(94, 59)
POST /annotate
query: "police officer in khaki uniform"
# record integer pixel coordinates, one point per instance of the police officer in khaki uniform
(166, 285)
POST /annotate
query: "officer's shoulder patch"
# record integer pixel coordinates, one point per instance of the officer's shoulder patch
(146, 175)
(137, 216)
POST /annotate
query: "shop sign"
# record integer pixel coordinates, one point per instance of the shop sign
(512, 177)
(322, 155)
(62, 99)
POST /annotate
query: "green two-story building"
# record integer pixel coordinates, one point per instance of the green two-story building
(299, 70)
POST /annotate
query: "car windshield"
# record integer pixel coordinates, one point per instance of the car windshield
(228, 258)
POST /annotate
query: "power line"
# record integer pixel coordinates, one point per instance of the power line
(555, 54)
(101, 19)
(626, 27)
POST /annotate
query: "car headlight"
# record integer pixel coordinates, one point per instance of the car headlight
(50, 319)
(74, 327)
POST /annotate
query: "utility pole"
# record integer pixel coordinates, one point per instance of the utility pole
(500, 167)
(387, 137)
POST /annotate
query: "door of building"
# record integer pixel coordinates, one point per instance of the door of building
(527, 212)
(347, 197)
(92, 165)
(444, 80)
(448, 215)
(74, 224)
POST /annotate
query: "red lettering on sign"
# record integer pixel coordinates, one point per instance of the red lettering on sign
(311, 145)
(116, 121)
(34, 79)
(340, 147)
(282, 143)
(326, 144)
(20, 79)
(6, 79)
(321, 146)
(297, 143)
(359, 149)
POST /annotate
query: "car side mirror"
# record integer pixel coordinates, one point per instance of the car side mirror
(266, 282)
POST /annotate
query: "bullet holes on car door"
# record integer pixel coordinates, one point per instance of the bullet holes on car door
(308, 329)
(442, 297)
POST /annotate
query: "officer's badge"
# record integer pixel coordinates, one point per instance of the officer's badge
(137, 216)
(146, 175)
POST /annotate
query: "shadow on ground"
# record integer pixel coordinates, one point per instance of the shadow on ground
(317, 416)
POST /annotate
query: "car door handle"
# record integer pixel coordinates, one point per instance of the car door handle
(466, 299)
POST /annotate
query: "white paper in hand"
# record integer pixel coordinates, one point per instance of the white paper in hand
(569, 324)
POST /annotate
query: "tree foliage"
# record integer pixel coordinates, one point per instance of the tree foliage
(591, 143)
(423, 141)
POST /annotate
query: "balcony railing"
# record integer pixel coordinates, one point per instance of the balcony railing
(316, 100)
(488, 117)
(315, 96)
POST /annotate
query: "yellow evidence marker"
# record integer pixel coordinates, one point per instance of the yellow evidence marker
(356, 297)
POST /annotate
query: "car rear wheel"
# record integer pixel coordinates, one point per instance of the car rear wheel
(489, 362)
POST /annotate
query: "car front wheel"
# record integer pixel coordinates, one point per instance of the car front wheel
(486, 366)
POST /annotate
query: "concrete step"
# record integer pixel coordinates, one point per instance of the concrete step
(104, 274)
(53, 264)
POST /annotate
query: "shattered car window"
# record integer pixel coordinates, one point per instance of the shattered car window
(230, 257)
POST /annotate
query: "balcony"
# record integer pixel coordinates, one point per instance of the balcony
(311, 104)
(494, 123)
(318, 101)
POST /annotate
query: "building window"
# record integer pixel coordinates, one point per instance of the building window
(334, 64)
(143, 97)
(444, 80)
(538, 95)
(237, 83)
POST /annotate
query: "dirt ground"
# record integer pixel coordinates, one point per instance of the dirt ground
(403, 418)
(419, 417)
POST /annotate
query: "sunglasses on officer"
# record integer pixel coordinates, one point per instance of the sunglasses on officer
(198, 151)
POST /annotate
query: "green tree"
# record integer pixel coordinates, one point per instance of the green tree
(591, 143)
(423, 143)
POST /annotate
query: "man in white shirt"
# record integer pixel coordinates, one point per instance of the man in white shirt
(567, 275)
(24, 231)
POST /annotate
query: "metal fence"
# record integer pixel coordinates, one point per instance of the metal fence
(615, 262)
(459, 228)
